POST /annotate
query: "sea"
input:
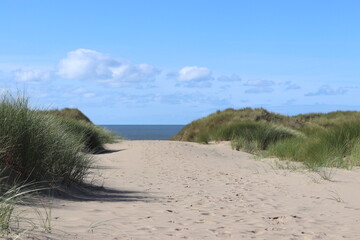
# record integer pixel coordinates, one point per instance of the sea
(145, 132)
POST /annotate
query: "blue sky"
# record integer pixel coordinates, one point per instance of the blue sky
(171, 62)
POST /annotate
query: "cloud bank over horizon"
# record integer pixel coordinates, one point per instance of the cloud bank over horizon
(87, 78)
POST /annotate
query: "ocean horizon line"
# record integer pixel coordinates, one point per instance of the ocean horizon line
(145, 132)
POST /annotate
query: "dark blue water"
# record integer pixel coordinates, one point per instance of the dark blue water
(145, 132)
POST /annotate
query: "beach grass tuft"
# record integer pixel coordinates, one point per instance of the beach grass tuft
(93, 137)
(46, 147)
(317, 139)
(337, 146)
(36, 147)
(40, 146)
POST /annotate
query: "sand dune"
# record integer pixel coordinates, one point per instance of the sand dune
(180, 190)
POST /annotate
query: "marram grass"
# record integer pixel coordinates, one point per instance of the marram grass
(40, 146)
(35, 145)
(249, 136)
(9, 198)
(338, 146)
(317, 139)
(93, 137)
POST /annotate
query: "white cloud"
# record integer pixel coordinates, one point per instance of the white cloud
(31, 76)
(194, 76)
(129, 73)
(85, 64)
(194, 73)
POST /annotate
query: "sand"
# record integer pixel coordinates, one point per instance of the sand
(181, 190)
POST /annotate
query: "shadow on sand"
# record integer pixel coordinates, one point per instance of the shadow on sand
(106, 151)
(88, 192)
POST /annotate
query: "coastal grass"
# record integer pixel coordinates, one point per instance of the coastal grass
(198, 130)
(9, 198)
(35, 146)
(338, 146)
(75, 122)
(93, 137)
(249, 136)
(42, 147)
(254, 137)
(316, 139)
(68, 113)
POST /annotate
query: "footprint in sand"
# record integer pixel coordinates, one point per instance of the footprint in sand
(221, 232)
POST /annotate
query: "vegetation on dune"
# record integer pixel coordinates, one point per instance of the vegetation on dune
(35, 146)
(42, 146)
(197, 129)
(335, 146)
(10, 197)
(317, 139)
(93, 137)
(77, 123)
(251, 136)
(258, 136)
(69, 113)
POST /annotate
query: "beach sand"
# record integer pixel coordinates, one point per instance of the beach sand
(181, 190)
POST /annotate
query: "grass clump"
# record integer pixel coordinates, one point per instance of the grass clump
(69, 113)
(248, 136)
(40, 146)
(43, 147)
(9, 198)
(317, 139)
(196, 130)
(93, 137)
(79, 125)
(261, 135)
(338, 146)
(35, 145)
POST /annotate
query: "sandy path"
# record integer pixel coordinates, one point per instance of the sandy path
(179, 190)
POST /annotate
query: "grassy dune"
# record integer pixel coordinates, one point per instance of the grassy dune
(68, 113)
(42, 146)
(317, 139)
